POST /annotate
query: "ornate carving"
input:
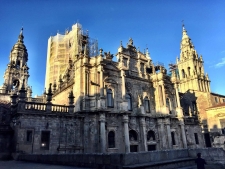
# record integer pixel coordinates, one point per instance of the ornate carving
(133, 123)
(128, 86)
(112, 121)
(150, 123)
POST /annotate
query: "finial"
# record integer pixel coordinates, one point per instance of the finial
(100, 50)
(121, 43)
(21, 31)
(131, 41)
(182, 24)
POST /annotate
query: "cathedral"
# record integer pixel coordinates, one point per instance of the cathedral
(94, 104)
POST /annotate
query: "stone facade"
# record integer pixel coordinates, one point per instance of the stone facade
(102, 105)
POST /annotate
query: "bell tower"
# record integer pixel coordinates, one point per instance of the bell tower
(17, 69)
(190, 67)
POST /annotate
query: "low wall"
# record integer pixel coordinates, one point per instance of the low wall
(211, 155)
(117, 160)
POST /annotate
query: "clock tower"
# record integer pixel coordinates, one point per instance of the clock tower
(190, 66)
(17, 69)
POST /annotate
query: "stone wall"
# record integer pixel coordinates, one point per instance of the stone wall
(118, 160)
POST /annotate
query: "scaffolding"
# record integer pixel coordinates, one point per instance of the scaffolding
(65, 47)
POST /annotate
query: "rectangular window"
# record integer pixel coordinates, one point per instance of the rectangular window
(142, 67)
(125, 62)
(45, 139)
(216, 100)
(133, 148)
(196, 138)
(151, 147)
(147, 106)
(29, 136)
(173, 138)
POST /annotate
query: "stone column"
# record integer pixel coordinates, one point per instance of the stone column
(169, 133)
(143, 128)
(184, 139)
(123, 84)
(102, 133)
(86, 134)
(164, 97)
(177, 95)
(162, 134)
(126, 133)
(101, 84)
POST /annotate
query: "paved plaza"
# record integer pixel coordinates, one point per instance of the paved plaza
(26, 165)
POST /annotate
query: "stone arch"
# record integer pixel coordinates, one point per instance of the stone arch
(133, 135)
(151, 136)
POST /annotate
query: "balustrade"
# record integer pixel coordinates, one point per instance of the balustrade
(42, 107)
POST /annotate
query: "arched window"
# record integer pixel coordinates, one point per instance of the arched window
(129, 100)
(109, 98)
(183, 73)
(111, 139)
(189, 71)
(150, 135)
(133, 135)
(147, 105)
(173, 138)
(18, 64)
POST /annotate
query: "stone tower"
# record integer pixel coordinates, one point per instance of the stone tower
(190, 66)
(17, 69)
(63, 48)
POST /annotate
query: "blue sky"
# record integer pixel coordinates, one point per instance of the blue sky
(153, 24)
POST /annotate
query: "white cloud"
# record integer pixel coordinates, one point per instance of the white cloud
(220, 64)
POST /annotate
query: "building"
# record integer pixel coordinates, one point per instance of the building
(194, 84)
(95, 104)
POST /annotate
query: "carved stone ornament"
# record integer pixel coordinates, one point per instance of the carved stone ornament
(112, 121)
(145, 88)
(150, 123)
(133, 123)
(128, 86)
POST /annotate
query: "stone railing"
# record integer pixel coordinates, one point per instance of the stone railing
(35, 106)
(43, 107)
(59, 108)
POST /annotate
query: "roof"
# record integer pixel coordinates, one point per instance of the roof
(216, 94)
(218, 105)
